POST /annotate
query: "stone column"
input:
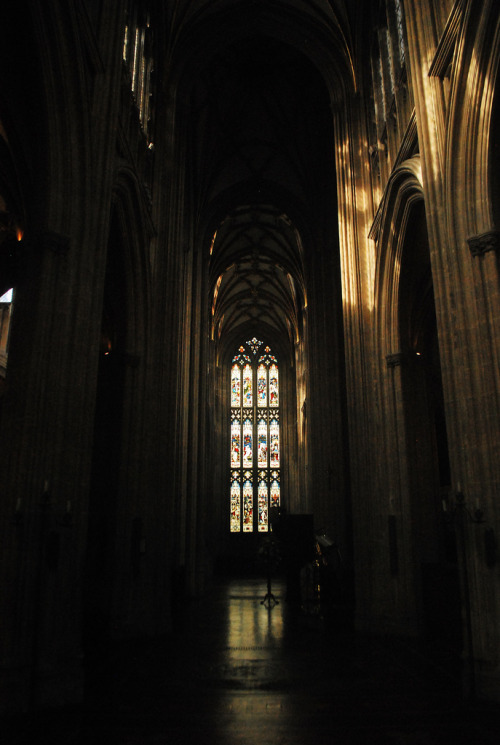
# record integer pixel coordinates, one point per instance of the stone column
(455, 176)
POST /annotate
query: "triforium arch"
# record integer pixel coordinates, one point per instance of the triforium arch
(116, 506)
(404, 189)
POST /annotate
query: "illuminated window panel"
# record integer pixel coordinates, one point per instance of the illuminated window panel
(263, 506)
(400, 30)
(247, 444)
(235, 385)
(235, 504)
(247, 386)
(273, 386)
(262, 440)
(275, 493)
(138, 58)
(236, 443)
(274, 443)
(262, 386)
(247, 504)
(254, 344)
(255, 438)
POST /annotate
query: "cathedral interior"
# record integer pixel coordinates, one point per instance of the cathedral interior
(250, 333)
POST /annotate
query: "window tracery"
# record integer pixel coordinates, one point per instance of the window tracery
(388, 108)
(255, 438)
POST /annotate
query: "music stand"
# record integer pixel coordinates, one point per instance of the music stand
(269, 599)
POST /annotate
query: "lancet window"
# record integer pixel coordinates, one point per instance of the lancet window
(138, 58)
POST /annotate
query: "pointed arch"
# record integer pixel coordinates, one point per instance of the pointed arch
(403, 191)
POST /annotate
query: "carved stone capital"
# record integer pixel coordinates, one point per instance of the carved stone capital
(394, 360)
(481, 244)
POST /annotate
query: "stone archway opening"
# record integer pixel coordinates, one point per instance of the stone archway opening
(426, 442)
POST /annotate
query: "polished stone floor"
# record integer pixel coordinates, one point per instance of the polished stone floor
(237, 672)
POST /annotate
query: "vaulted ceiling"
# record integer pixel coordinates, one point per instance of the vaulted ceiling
(257, 81)
(259, 282)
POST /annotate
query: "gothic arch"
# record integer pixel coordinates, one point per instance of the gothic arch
(116, 505)
(414, 460)
(403, 191)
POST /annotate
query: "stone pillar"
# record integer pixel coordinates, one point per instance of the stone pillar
(455, 175)
(47, 426)
(47, 412)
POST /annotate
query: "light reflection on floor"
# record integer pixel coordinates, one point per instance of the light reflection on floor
(250, 710)
(237, 672)
(249, 623)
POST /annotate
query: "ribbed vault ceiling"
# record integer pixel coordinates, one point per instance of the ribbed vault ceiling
(259, 283)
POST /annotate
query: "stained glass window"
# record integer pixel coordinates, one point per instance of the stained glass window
(400, 28)
(263, 504)
(254, 344)
(262, 440)
(248, 503)
(273, 385)
(275, 443)
(236, 441)
(262, 386)
(235, 385)
(275, 489)
(138, 59)
(235, 501)
(247, 385)
(255, 438)
(247, 443)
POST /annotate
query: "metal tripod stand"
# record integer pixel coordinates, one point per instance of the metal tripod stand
(269, 599)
